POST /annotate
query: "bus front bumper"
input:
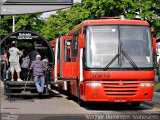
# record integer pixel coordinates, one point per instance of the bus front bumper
(97, 93)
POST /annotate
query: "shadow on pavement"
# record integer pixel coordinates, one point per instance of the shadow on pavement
(115, 107)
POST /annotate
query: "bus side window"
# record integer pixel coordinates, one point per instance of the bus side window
(53, 48)
(75, 47)
(67, 50)
(58, 56)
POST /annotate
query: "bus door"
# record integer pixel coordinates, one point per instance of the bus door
(66, 65)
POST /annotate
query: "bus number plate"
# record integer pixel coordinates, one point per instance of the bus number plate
(120, 100)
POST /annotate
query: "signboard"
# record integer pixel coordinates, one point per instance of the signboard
(37, 1)
(24, 35)
(29, 41)
(13, 7)
(27, 36)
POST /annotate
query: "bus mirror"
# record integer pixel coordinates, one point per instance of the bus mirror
(153, 40)
(154, 44)
(81, 39)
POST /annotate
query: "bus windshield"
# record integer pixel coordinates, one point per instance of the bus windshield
(122, 46)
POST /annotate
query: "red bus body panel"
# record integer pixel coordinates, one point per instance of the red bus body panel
(117, 86)
(113, 85)
(118, 75)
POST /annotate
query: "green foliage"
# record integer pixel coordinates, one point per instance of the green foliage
(31, 22)
(6, 28)
(64, 20)
(28, 46)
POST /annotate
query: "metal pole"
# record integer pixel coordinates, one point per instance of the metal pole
(13, 27)
(0, 28)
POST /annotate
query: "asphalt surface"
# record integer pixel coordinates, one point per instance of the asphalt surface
(58, 107)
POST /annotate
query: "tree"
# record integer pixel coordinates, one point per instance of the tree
(128, 8)
(31, 22)
(63, 21)
(5, 23)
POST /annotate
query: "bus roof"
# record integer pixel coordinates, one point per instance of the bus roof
(107, 22)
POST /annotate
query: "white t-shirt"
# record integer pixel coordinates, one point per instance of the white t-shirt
(14, 54)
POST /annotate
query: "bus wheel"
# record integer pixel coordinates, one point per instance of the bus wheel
(69, 96)
(82, 103)
(136, 104)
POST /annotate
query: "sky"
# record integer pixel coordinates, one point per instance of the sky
(47, 14)
(76, 0)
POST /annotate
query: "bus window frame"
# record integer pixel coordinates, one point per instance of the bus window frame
(66, 49)
(75, 38)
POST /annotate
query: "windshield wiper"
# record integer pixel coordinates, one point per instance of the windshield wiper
(127, 57)
(130, 60)
(107, 66)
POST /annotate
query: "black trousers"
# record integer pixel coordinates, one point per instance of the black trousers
(24, 73)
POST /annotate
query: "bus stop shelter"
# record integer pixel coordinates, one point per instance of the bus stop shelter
(14, 7)
(28, 41)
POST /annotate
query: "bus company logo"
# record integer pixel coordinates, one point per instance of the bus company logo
(120, 83)
(100, 75)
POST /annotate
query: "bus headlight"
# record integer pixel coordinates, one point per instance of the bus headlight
(146, 84)
(93, 84)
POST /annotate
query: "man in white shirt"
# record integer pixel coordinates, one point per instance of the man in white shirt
(14, 61)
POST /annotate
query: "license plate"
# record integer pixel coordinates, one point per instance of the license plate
(120, 100)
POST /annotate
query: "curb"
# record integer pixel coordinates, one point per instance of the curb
(156, 94)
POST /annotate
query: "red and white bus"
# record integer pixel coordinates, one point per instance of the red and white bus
(106, 60)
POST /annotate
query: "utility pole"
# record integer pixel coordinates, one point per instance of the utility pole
(0, 28)
(13, 25)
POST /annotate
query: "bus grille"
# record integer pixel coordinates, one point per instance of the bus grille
(121, 88)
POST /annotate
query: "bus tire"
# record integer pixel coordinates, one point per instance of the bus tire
(135, 104)
(82, 103)
(69, 94)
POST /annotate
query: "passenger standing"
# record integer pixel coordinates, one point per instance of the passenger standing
(38, 74)
(25, 65)
(3, 62)
(47, 72)
(33, 54)
(45, 62)
(14, 61)
(8, 71)
(4, 57)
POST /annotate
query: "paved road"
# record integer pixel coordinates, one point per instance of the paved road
(59, 107)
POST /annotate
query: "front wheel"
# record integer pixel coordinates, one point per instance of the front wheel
(81, 103)
(136, 104)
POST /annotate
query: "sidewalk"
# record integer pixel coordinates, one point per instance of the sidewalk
(1, 89)
(156, 97)
(156, 79)
(156, 84)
